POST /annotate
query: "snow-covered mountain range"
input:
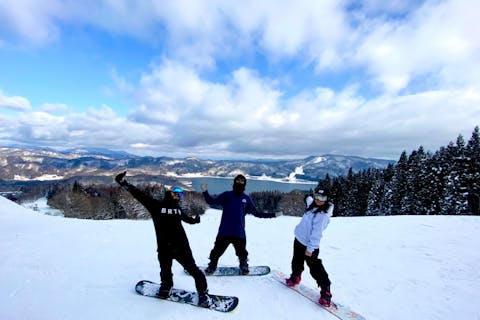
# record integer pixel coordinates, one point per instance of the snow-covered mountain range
(47, 164)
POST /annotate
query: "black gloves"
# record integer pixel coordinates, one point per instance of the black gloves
(191, 220)
(120, 180)
(273, 214)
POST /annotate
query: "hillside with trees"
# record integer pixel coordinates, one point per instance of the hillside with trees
(446, 182)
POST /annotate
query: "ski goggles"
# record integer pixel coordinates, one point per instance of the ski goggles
(178, 191)
(320, 197)
(180, 194)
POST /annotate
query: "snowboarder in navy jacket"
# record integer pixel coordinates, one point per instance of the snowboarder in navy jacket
(172, 242)
(236, 204)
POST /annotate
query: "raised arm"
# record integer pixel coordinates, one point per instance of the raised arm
(208, 198)
(141, 196)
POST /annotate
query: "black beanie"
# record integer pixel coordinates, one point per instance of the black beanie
(241, 176)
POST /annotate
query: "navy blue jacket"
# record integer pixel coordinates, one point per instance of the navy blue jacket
(235, 207)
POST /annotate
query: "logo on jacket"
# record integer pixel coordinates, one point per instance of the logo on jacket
(171, 211)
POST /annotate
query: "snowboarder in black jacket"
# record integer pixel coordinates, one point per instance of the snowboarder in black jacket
(172, 242)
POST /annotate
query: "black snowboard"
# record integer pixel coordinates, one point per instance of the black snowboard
(235, 271)
(219, 303)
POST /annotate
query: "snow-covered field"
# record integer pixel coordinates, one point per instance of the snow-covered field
(404, 267)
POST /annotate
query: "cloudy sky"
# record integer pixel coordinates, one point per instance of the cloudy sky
(239, 79)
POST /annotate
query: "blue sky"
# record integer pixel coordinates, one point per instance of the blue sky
(250, 79)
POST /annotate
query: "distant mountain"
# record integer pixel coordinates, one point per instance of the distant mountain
(22, 164)
(99, 152)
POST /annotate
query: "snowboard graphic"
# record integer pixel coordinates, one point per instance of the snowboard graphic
(235, 271)
(220, 303)
(340, 311)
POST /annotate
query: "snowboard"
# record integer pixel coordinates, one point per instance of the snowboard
(338, 310)
(220, 303)
(235, 271)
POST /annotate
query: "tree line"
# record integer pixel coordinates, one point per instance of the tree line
(445, 182)
(103, 202)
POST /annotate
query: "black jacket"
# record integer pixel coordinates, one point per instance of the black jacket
(167, 218)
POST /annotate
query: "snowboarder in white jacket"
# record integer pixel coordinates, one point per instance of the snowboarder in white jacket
(308, 234)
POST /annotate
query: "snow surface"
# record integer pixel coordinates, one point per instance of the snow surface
(402, 267)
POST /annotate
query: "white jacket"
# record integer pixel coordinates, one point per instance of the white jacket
(310, 229)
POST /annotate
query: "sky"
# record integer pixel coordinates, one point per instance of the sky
(237, 80)
(396, 268)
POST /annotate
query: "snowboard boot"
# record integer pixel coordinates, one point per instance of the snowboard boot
(325, 297)
(244, 267)
(164, 292)
(204, 300)
(293, 280)
(211, 268)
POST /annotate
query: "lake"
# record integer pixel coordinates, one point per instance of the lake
(219, 185)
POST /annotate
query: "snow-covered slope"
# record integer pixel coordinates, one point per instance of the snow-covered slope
(413, 267)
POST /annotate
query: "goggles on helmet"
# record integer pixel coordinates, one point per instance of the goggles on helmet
(178, 191)
(320, 197)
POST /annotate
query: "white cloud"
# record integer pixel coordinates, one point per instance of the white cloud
(259, 122)
(31, 20)
(426, 38)
(249, 114)
(14, 102)
(196, 32)
(422, 63)
(41, 127)
(55, 107)
(437, 42)
(173, 93)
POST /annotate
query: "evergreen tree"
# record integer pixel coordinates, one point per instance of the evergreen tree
(350, 194)
(325, 183)
(447, 182)
(407, 203)
(375, 197)
(433, 189)
(416, 199)
(77, 187)
(338, 196)
(473, 172)
(363, 182)
(455, 199)
(398, 186)
(385, 189)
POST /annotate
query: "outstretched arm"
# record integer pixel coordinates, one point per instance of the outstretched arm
(253, 210)
(141, 196)
(212, 200)
(190, 220)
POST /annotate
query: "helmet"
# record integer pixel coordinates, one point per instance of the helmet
(178, 191)
(321, 195)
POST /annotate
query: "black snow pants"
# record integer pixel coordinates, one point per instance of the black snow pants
(184, 256)
(222, 243)
(317, 270)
